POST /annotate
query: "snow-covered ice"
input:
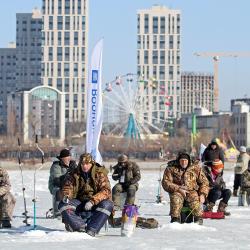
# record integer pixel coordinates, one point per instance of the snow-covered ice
(231, 233)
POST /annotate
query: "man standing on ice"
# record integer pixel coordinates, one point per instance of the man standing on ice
(87, 203)
(185, 181)
(7, 200)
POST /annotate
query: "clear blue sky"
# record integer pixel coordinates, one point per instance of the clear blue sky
(207, 25)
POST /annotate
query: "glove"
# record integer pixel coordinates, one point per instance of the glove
(88, 206)
(65, 199)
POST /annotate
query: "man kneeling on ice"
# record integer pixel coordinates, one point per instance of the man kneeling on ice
(7, 200)
(87, 203)
(185, 182)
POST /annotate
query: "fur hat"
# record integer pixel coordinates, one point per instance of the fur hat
(184, 156)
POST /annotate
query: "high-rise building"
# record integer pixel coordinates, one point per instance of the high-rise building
(28, 44)
(20, 64)
(158, 62)
(7, 81)
(197, 90)
(64, 50)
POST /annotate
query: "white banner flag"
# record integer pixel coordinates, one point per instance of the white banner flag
(202, 149)
(94, 103)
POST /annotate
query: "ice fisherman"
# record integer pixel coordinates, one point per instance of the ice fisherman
(127, 173)
(87, 202)
(58, 171)
(7, 200)
(185, 182)
(218, 190)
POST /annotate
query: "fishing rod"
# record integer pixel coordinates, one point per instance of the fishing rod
(25, 213)
(36, 169)
(159, 192)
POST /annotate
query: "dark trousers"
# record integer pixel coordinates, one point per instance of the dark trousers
(237, 181)
(77, 218)
(119, 188)
(216, 194)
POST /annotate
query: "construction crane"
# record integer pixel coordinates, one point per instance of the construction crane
(216, 56)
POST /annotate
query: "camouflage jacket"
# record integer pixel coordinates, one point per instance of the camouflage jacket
(193, 178)
(245, 180)
(96, 188)
(132, 173)
(4, 182)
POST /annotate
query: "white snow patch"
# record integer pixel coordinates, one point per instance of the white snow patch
(50, 234)
(187, 227)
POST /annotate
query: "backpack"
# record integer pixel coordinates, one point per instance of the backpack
(147, 223)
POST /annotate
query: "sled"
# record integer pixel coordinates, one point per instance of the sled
(213, 215)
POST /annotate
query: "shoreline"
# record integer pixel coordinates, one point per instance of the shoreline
(144, 165)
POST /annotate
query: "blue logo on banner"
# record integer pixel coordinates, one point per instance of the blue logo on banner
(94, 76)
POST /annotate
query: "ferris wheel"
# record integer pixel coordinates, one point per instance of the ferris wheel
(125, 112)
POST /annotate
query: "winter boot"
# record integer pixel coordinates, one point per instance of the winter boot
(198, 220)
(175, 219)
(209, 207)
(222, 208)
(111, 219)
(68, 228)
(91, 233)
(6, 224)
(235, 193)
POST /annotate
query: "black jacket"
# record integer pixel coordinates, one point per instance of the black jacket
(212, 154)
(132, 173)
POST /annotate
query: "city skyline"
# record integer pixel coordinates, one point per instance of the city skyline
(207, 26)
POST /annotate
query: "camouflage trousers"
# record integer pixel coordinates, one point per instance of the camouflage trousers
(7, 204)
(177, 201)
(118, 189)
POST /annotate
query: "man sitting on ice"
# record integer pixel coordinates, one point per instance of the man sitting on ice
(127, 173)
(218, 190)
(185, 182)
(59, 169)
(87, 203)
(7, 200)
